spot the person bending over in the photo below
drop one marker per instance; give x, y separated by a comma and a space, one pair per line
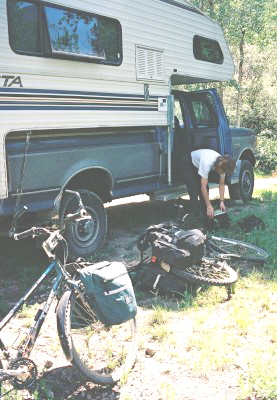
196, 168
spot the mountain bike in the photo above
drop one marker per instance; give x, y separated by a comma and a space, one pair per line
203, 269
102, 354
227, 248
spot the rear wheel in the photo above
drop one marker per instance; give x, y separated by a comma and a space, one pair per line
84, 237
102, 354
243, 190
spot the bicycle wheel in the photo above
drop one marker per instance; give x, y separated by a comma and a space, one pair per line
235, 249
102, 354
210, 271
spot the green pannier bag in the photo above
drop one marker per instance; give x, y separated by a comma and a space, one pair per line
109, 291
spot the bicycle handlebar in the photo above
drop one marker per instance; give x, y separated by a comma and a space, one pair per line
54, 237
34, 231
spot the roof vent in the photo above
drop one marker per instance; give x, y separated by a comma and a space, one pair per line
149, 64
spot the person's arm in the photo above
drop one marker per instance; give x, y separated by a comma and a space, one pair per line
221, 188
205, 194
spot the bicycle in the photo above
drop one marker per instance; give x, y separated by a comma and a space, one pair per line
220, 253
207, 270
102, 354
228, 248
215, 267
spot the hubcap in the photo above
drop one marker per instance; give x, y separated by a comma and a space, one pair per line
246, 182
84, 229
85, 232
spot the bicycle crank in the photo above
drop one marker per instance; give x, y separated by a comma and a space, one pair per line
25, 372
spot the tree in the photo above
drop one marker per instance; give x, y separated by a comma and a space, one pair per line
244, 23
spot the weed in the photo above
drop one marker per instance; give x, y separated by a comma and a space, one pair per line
261, 377
169, 393
157, 325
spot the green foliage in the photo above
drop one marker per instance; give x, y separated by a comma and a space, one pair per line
250, 28
267, 154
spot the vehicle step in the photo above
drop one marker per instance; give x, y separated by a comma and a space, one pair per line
174, 192
169, 193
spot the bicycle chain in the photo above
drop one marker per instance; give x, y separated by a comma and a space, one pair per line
31, 378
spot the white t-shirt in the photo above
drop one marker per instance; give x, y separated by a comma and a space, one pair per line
203, 160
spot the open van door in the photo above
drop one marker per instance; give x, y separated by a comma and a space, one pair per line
205, 122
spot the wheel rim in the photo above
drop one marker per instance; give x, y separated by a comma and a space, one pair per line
85, 232
98, 351
246, 181
245, 250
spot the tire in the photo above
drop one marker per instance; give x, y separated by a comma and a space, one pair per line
211, 272
243, 190
84, 238
244, 251
103, 355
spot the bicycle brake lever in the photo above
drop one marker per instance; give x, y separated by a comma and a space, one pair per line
15, 218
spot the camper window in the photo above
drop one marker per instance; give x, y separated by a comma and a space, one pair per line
207, 50
24, 26
63, 33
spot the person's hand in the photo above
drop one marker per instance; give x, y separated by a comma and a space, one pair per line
210, 211
222, 206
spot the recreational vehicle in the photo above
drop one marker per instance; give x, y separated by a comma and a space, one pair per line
87, 103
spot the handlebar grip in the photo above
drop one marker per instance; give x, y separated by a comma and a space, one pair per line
82, 213
22, 235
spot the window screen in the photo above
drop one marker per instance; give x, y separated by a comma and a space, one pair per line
207, 50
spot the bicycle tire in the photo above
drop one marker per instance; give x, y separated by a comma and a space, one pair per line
216, 245
211, 272
103, 355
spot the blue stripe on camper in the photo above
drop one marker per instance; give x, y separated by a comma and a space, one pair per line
66, 92
37, 99
8, 108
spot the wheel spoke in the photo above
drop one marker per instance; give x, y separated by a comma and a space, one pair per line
101, 353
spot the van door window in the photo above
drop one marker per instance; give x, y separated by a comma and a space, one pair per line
203, 112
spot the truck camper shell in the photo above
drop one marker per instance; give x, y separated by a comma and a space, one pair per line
44, 88
86, 94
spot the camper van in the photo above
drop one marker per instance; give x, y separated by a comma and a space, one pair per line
88, 102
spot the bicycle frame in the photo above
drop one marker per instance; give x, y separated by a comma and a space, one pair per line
28, 343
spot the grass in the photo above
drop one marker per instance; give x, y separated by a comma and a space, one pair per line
239, 335
199, 331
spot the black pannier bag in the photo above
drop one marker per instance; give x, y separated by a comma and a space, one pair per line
168, 253
109, 291
174, 246
150, 276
